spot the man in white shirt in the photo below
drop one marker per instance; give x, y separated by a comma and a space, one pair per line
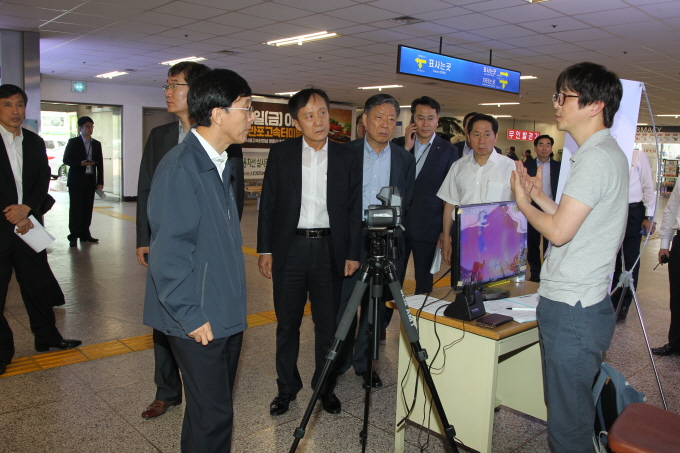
641, 207
309, 239
480, 177
669, 234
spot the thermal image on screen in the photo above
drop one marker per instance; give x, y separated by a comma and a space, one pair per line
493, 242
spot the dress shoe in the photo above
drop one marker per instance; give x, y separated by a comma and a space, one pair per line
535, 279
158, 407
623, 314
280, 404
665, 350
3, 366
331, 403
377, 382
63, 344
73, 242
90, 239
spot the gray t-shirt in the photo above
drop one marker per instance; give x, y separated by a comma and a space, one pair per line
579, 270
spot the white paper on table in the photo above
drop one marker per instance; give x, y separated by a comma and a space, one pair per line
501, 306
433, 305
38, 238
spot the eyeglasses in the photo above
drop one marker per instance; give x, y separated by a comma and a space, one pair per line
173, 86
250, 110
559, 98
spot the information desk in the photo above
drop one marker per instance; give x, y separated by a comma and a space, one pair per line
484, 369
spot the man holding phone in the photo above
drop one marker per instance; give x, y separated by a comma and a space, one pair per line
83, 155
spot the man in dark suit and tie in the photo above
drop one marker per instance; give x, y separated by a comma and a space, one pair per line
83, 155
551, 175
384, 164
161, 140
434, 157
308, 237
24, 182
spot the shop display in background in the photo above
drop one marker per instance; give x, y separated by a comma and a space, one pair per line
669, 176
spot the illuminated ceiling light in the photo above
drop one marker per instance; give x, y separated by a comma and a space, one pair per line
500, 116
527, 77
179, 60
500, 103
286, 93
380, 88
111, 75
405, 106
672, 116
535, 1
642, 124
302, 38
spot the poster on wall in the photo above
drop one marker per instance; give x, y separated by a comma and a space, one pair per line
273, 123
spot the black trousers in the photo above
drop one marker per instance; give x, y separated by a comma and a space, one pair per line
209, 374
674, 278
81, 199
38, 290
423, 254
309, 271
166, 371
534, 250
631, 250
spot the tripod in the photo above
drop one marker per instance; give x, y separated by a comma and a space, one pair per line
376, 268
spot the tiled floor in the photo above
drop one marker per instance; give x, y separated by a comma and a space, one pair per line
95, 405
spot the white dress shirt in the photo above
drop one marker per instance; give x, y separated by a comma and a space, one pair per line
468, 183
547, 188
15, 152
671, 220
218, 159
313, 208
641, 185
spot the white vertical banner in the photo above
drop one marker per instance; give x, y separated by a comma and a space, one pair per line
623, 130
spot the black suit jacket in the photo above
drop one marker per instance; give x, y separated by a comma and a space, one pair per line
35, 179
75, 154
282, 198
423, 221
161, 140
555, 166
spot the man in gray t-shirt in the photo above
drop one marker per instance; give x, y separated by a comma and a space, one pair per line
575, 315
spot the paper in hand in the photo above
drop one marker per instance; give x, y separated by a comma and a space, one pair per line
38, 238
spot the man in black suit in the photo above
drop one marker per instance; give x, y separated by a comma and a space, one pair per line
83, 155
551, 175
161, 140
434, 156
24, 182
383, 164
308, 237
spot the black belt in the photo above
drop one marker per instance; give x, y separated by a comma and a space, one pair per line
313, 232
636, 204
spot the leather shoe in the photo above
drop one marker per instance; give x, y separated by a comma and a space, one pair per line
665, 350
63, 344
158, 407
73, 242
331, 403
3, 366
280, 404
90, 239
377, 382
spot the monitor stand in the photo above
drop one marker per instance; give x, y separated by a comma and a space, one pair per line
495, 293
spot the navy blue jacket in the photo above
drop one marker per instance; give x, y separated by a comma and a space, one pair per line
423, 222
196, 268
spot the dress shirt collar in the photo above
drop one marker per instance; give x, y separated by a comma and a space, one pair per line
212, 154
493, 158
306, 146
368, 151
8, 137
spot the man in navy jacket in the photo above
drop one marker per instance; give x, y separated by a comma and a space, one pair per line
196, 292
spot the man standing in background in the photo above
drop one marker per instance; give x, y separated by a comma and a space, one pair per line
83, 155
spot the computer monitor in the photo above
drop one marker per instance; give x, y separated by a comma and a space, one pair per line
490, 244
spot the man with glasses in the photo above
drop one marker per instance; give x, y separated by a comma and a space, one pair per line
575, 314
161, 140
196, 285
83, 155
423, 221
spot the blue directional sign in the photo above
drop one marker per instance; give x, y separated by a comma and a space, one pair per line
442, 67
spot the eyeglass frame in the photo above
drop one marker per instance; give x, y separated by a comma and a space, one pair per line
557, 96
250, 110
173, 86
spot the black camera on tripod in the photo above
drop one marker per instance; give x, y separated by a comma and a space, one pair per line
386, 216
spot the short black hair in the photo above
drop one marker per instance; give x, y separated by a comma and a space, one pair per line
380, 99
217, 88
526, 151
468, 116
483, 117
8, 90
425, 100
83, 120
593, 82
189, 69
512, 148
552, 141
302, 97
